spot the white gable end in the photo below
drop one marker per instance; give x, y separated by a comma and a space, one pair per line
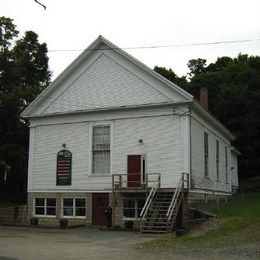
104, 77
105, 84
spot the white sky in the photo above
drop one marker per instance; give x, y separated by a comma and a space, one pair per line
131, 23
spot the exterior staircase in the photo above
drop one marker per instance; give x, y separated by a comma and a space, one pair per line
161, 209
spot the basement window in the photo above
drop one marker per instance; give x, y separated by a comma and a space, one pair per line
132, 207
45, 207
74, 207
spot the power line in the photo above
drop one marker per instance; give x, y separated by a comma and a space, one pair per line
164, 46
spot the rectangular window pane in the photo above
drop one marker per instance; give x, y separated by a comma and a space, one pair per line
39, 202
101, 162
51, 202
206, 143
67, 211
68, 202
39, 210
80, 212
226, 164
129, 203
217, 159
129, 213
51, 211
101, 136
206, 153
81, 203
217, 150
206, 166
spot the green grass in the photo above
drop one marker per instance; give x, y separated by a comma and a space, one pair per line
239, 221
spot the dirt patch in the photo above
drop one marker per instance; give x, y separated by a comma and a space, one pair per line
203, 228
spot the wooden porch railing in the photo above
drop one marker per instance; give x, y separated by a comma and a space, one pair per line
134, 181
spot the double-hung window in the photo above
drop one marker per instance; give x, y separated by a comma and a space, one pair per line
206, 155
132, 207
101, 149
45, 207
226, 164
217, 159
75, 207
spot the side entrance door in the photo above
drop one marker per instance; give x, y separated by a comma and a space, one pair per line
133, 170
100, 202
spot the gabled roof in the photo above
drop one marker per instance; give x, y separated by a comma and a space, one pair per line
97, 45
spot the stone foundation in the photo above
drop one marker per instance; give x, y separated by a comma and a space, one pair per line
16, 215
196, 200
54, 221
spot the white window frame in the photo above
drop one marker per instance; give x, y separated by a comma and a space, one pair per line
102, 123
136, 208
45, 208
74, 208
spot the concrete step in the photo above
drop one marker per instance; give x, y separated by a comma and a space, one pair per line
154, 223
161, 202
160, 207
154, 227
154, 231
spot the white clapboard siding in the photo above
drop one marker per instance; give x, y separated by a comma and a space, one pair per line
161, 143
197, 145
105, 84
234, 169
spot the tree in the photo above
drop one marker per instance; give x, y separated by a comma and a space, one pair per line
170, 75
196, 66
24, 74
234, 98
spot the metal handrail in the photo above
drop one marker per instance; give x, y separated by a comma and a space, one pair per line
150, 198
174, 199
179, 188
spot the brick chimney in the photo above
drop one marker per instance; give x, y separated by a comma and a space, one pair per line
204, 97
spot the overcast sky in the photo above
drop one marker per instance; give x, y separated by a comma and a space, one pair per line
132, 23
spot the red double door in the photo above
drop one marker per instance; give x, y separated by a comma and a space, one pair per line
134, 170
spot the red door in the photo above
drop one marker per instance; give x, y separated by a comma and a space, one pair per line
100, 202
133, 170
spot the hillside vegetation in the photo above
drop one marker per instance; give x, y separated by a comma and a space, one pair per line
236, 231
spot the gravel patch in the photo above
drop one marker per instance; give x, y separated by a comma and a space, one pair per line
89, 243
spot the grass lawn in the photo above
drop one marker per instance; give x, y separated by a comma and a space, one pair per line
239, 223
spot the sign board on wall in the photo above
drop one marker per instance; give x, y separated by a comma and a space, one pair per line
64, 163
